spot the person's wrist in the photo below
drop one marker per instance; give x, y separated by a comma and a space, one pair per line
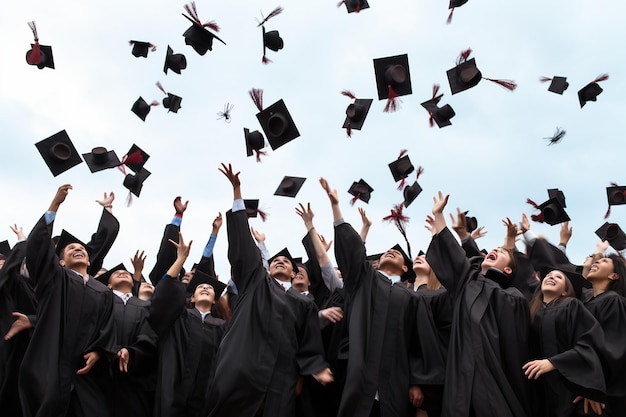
178, 214
108, 206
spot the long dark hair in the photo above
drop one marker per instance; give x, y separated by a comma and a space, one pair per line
619, 267
536, 303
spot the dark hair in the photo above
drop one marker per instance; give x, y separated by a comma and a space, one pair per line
512, 264
619, 267
536, 302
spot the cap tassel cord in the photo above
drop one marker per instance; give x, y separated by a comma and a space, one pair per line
262, 214
449, 19
508, 84
544, 79
602, 77
259, 153
35, 56
257, 97
464, 55
348, 93
349, 130
355, 198
193, 12
420, 171
158, 84
392, 101
400, 221
278, 10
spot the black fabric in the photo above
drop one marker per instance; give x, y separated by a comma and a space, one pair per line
186, 349
166, 254
488, 340
382, 333
73, 319
272, 337
567, 335
102, 240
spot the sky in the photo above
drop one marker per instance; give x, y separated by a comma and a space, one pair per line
492, 158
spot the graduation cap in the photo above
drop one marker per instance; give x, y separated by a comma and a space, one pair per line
578, 281
558, 84
100, 158
612, 233
254, 143
558, 194
59, 152
141, 48
285, 252
401, 168
172, 101
355, 112
615, 196
66, 238
198, 36
393, 79
466, 75
275, 121
134, 182
39, 55
471, 223
141, 108
5, 248
552, 212
410, 193
135, 158
174, 62
409, 275
354, 6
439, 115
105, 277
591, 91
200, 277
271, 39
252, 209
361, 190
289, 186
452, 5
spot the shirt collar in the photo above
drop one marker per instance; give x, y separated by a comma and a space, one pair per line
123, 296
393, 278
285, 285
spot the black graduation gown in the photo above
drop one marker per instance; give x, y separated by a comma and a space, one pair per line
273, 336
567, 335
16, 294
166, 254
187, 348
434, 321
382, 333
489, 337
73, 319
609, 308
102, 240
133, 391
317, 288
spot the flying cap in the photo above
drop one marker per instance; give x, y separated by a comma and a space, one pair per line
612, 233
289, 186
135, 158
558, 194
140, 49
39, 55
252, 209
277, 124
134, 182
174, 62
439, 115
401, 167
59, 153
255, 142
467, 75
172, 101
591, 91
557, 85
354, 6
355, 112
361, 190
200, 277
552, 212
410, 193
393, 79
99, 159
198, 36
141, 108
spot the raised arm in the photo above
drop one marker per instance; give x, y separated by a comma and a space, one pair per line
207, 262
102, 241
366, 223
167, 253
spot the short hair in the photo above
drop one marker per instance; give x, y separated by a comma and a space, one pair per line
512, 263
619, 267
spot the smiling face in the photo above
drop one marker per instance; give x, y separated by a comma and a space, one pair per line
300, 281
281, 268
420, 266
392, 262
145, 291
204, 296
555, 285
75, 257
121, 280
500, 259
601, 270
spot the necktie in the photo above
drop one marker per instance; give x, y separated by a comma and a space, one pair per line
85, 279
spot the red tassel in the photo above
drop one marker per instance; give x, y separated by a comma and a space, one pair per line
134, 158
274, 12
608, 212
449, 19
392, 101
431, 121
357, 9
508, 84
152, 47
402, 182
354, 199
614, 184
193, 12
464, 55
160, 86
257, 97
544, 79
262, 214
420, 171
154, 103
259, 153
532, 203
348, 93
266, 60
349, 130
129, 199
211, 25
601, 78
402, 153
435, 90
35, 56
537, 218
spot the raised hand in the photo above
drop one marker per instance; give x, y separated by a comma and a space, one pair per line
332, 194
258, 236
217, 223
565, 234
138, 262
479, 232
230, 174
439, 202
306, 214
19, 232
182, 249
59, 197
179, 206
107, 200
459, 224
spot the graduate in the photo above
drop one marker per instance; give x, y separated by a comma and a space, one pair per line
381, 325
133, 371
65, 367
564, 339
188, 338
489, 337
273, 335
